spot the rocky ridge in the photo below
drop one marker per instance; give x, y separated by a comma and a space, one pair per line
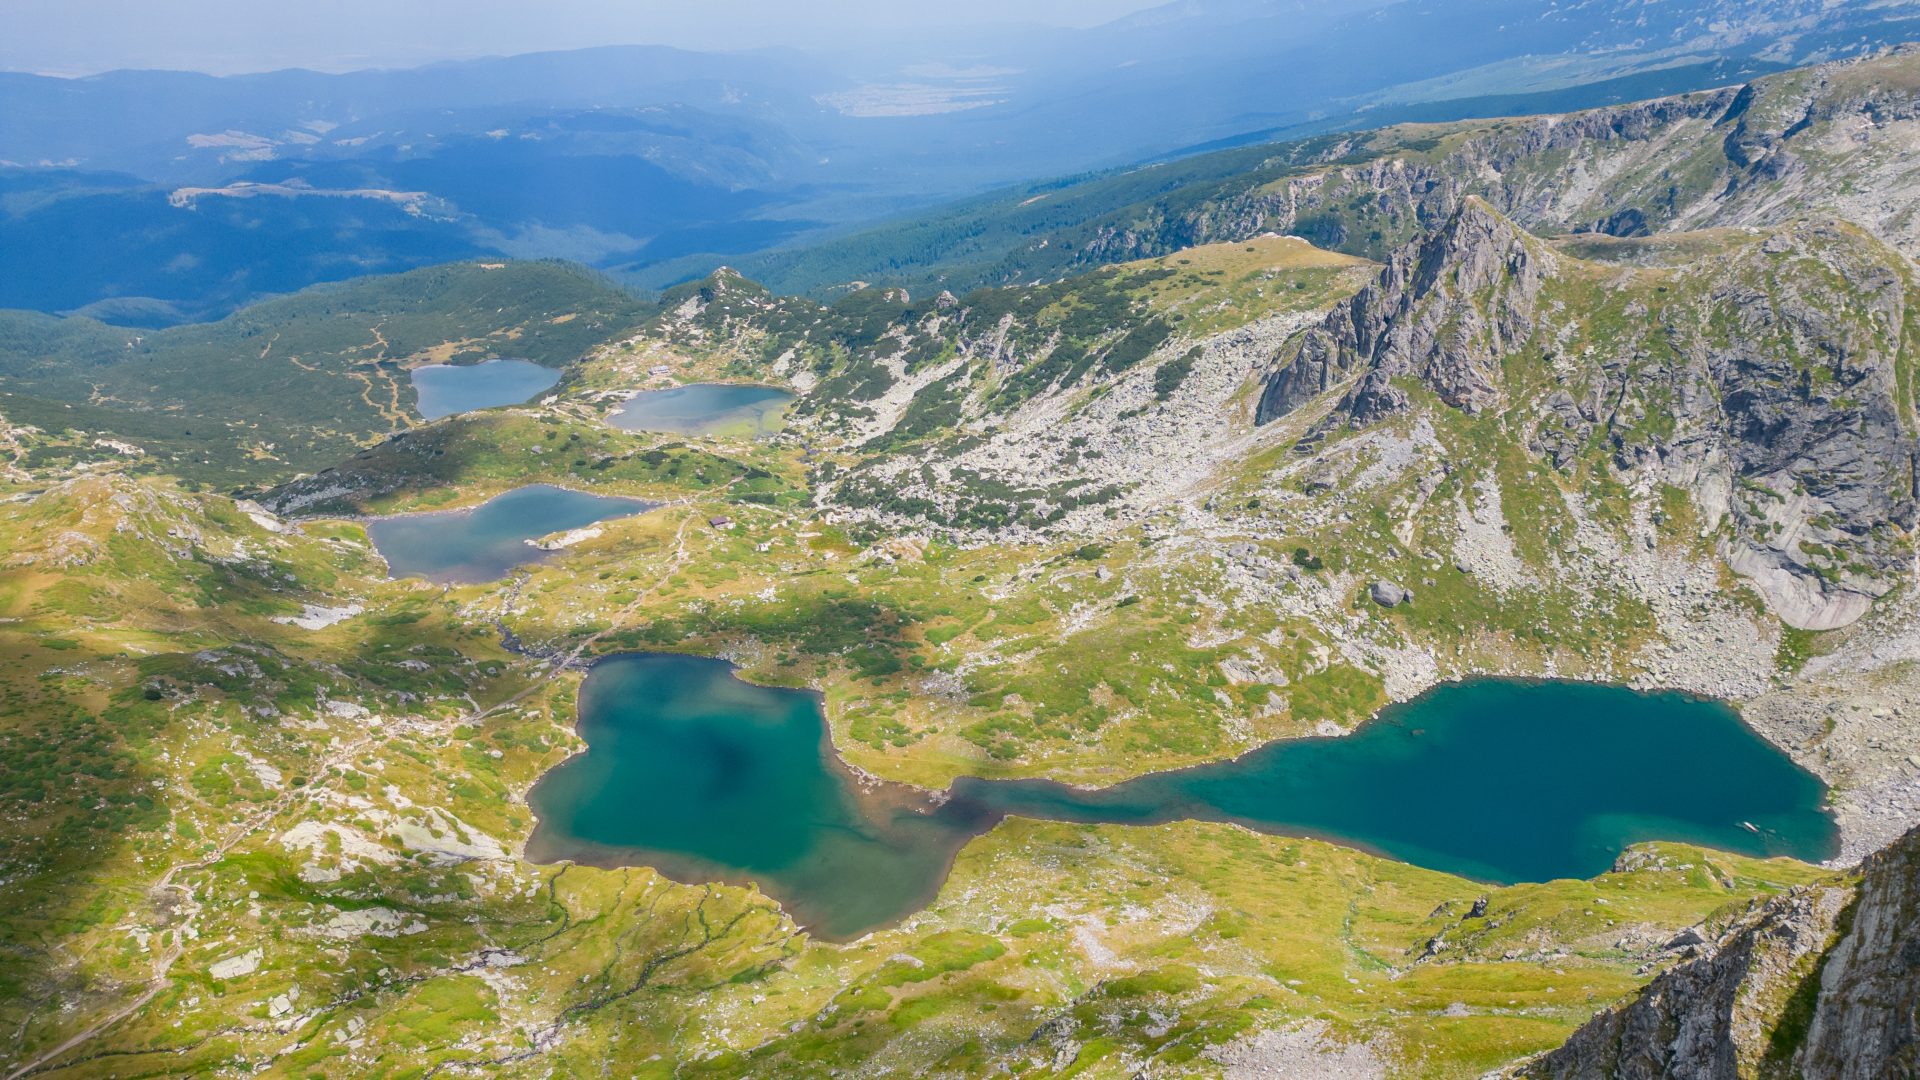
1772, 381
1842, 138
1820, 984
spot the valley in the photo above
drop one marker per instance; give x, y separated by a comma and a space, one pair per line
335, 363
1284, 488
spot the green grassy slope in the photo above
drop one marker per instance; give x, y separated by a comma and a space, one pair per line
313, 890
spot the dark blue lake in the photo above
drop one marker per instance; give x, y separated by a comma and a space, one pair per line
708, 778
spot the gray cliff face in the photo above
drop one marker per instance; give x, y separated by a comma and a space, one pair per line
1424, 318
1866, 1022
1810, 419
1763, 376
1822, 983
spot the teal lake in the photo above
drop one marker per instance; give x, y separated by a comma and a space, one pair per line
486, 541
707, 778
451, 389
704, 409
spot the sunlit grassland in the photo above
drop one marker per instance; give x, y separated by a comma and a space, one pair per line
377, 893
152, 707
149, 703
1216, 287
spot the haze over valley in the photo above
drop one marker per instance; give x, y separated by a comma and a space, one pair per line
149, 198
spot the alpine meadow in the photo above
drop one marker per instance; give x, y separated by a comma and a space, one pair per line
1358, 539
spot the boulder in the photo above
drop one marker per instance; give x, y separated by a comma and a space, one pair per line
1389, 594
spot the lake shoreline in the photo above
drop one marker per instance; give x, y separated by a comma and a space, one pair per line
443, 390
705, 409
497, 540
906, 837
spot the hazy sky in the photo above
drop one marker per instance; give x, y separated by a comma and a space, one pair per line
225, 36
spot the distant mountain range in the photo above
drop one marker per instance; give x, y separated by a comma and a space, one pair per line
152, 198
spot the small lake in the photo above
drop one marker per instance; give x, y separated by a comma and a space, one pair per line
707, 778
450, 389
484, 542
705, 409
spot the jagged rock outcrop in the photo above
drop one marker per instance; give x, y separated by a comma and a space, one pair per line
1866, 1020
1444, 310
1822, 983
1763, 376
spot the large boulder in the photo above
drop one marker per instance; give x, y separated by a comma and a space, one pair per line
1389, 594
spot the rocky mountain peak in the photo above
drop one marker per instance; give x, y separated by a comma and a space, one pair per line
1444, 310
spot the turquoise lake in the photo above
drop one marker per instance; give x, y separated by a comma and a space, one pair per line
704, 409
486, 541
708, 778
451, 389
